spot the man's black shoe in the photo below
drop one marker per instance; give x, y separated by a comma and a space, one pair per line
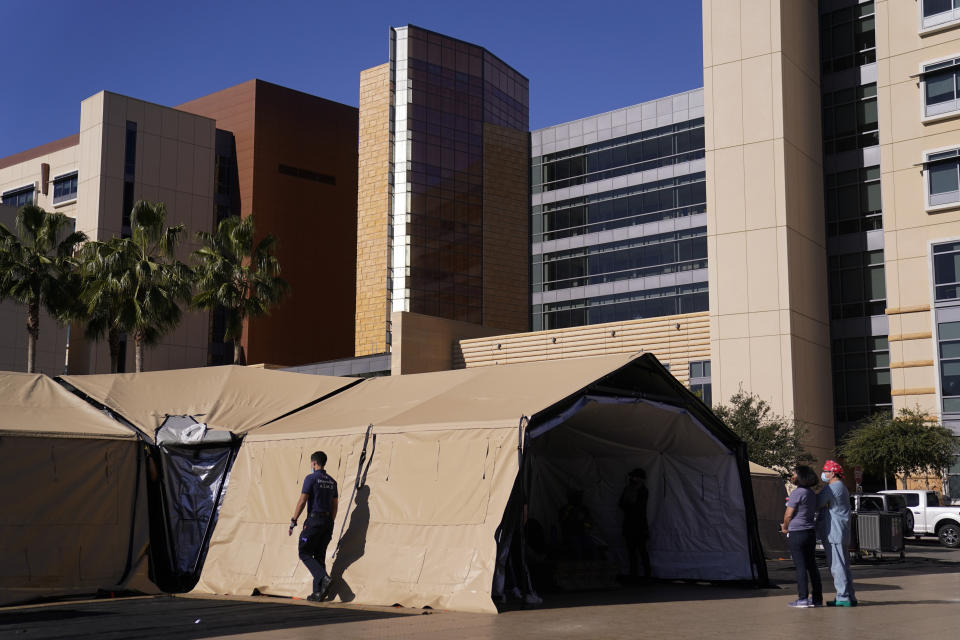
325, 587
315, 597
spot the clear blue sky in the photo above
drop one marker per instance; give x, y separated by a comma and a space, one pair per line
582, 57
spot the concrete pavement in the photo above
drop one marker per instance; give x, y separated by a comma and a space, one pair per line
918, 598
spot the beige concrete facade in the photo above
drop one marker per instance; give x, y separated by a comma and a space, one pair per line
373, 209
674, 340
174, 165
424, 343
769, 327
910, 227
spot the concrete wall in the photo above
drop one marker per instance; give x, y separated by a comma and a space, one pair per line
424, 343
769, 321
373, 206
674, 340
174, 165
909, 229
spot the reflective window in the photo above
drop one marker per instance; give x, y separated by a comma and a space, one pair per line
943, 178
65, 187
857, 284
946, 271
650, 149
18, 197
642, 204
948, 337
850, 119
861, 376
941, 87
627, 306
672, 252
938, 12
700, 380
853, 201
847, 38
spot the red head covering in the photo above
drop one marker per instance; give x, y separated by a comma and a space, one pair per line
832, 467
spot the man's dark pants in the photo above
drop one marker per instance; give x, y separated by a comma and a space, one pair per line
317, 529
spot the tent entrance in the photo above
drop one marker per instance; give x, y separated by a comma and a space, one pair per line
194, 465
575, 472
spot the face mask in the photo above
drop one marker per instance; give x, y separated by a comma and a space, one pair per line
823, 476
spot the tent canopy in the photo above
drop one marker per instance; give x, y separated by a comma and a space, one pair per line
465, 398
32, 403
423, 497
229, 397
74, 517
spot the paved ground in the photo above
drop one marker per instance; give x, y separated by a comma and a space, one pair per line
917, 598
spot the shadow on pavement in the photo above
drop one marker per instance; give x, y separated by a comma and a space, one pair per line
169, 617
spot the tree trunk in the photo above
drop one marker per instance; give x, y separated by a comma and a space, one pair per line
113, 340
33, 332
238, 357
138, 351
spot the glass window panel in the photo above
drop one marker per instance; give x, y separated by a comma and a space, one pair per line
951, 405
871, 197
876, 284
933, 7
939, 87
943, 178
946, 268
868, 114
949, 330
950, 349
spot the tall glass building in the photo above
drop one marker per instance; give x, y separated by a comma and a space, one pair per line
853, 205
618, 215
444, 130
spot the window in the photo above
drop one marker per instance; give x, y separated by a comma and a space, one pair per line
946, 271
65, 188
850, 119
938, 12
847, 38
861, 376
853, 201
857, 284
700, 381
913, 500
942, 170
948, 338
932, 499
941, 87
18, 197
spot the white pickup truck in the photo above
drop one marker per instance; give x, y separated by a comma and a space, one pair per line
930, 517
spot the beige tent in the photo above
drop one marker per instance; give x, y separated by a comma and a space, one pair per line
423, 495
228, 397
770, 495
196, 417
73, 515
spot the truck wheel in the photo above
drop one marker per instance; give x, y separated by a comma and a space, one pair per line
949, 535
907, 523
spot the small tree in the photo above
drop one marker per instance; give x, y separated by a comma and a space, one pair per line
237, 275
136, 282
908, 444
772, 440
36, 268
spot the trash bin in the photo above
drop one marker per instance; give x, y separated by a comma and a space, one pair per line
879, 532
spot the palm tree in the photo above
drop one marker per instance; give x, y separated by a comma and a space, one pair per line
135, 285
36, 267
237, 276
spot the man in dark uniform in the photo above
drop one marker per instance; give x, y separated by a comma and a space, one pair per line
633, 502
320, 492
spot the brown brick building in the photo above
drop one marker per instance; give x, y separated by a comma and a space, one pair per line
290, 158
